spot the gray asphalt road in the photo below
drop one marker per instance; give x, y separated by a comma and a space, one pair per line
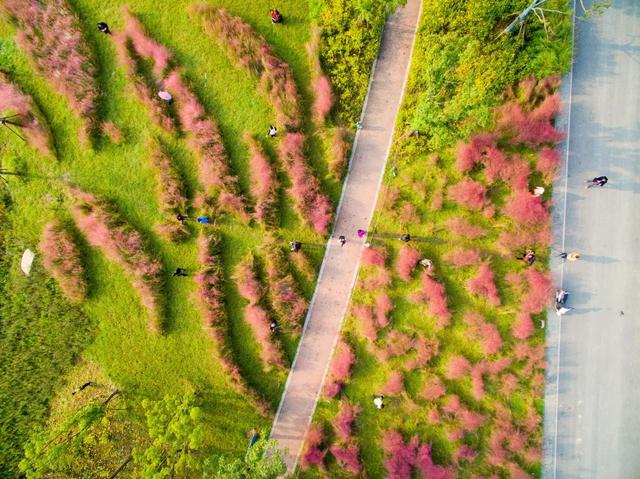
595, 430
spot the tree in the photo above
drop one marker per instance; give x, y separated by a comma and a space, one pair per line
176, 430
263, 461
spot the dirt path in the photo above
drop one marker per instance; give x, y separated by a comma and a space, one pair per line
340, 264
592, 428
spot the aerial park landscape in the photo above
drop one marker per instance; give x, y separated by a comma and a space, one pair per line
311, 239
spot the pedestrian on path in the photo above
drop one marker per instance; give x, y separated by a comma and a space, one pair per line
573, 256
562, 310
361, 233
295, 246
273, 131
405, 238
597, 181
378, 401
180, 272
342, 240
561, 296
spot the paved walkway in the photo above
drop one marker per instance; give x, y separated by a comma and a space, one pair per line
340, 264
592, 425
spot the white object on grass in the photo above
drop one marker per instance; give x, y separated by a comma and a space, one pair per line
27, 261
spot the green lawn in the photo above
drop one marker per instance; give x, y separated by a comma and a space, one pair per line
110, 328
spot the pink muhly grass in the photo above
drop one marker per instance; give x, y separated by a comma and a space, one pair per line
246, 280
348, 457
477, 383
461, 227
436, 201
313, 455
206, 142
62, 260
284, 294
548, 163
517, 238
264, 185
523, 326
374, 256
258, 319
111, 131
401, 457
104, 229
323, 98
398, 343
469, 193
427, 468
313, 206
483, 284
145, 46
433, 388
169, 190
468, 154
460, 257
253, 53
377, 280
408, 258
52, 35
527, 209
368, 326
465, 452
383, 307
211, 298
340, 369
394, 385
343, 422
530, 128
340, 146
539, 293
470, 420
13, 101
436, 298
452, 406
425, 348
457, 367
486, 333
303, 265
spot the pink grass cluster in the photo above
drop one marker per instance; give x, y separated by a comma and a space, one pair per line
374, 256
313, 206
211, 297
523, 326
516, 239
548, 163
433, 388
303, 265
284, 294
112, 131
340, 369
376, 280
436, 298
461, 227
348, 457
339, 153
401, 456
469, 193
406, 262
134, 45
427, 468
344, 421
104, 229
527, 209
484, 285
264, 184
169, 189
461, 257
14, 101
425, 348
323, 98
398, 343
205, 140
383, 308
468, 154
457, 367
368, 326
530, 128
62, 260
394, 384
252, 52
51, 34
255, 315
539, 291
484, 332
313, 454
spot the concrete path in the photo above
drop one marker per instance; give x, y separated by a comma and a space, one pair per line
592, 426
340, 264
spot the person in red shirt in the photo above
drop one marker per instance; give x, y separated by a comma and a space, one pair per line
276, 16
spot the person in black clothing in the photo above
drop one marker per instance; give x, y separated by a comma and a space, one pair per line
597, 181
342, 240
295, 246
406, 238
104, 28
181, 218
273, 326
180, 272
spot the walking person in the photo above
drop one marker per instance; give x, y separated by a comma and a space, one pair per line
405, 238
273, 131
342, 240
573, 256
181, 218
361, 233
597, 181
273, 326
528, 257
378, 402
203, 220
180, 272
295, 246
104, 28
276, 16
165, 96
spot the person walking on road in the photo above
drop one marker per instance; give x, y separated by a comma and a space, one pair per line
342, 240
361, 233
597, 181
573, 256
